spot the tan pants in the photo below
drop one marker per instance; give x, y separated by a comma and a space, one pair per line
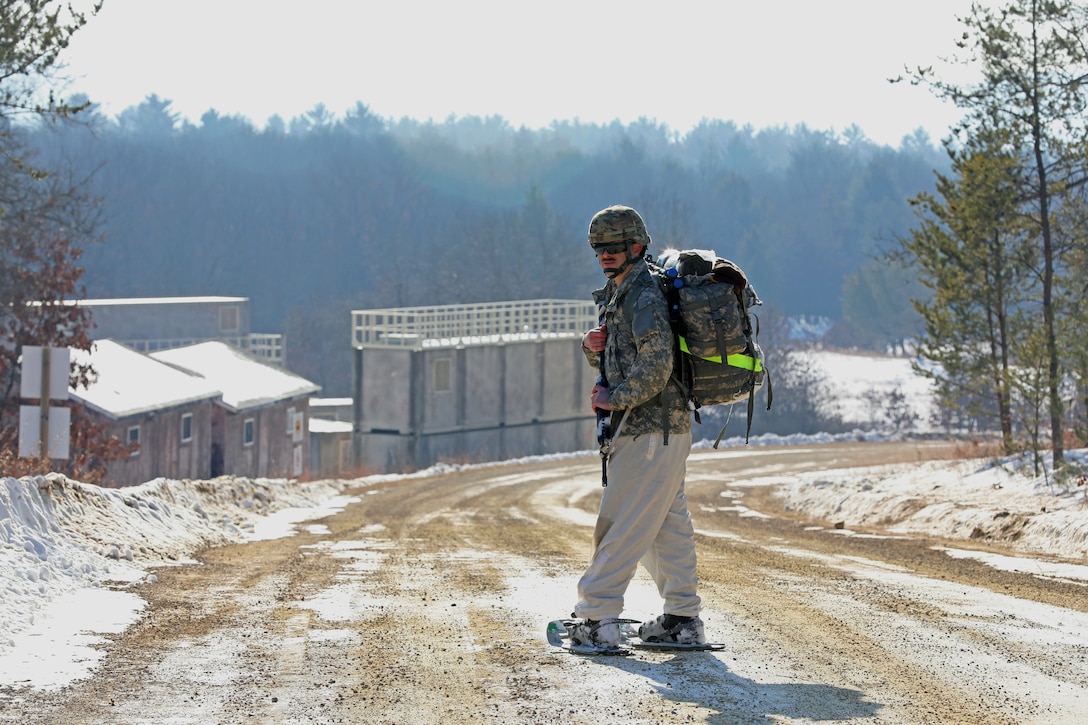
643, 517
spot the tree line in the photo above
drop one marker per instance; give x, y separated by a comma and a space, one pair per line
317, 215
320, 215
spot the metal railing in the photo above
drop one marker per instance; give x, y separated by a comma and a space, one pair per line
267, 347
264, 347
471, 324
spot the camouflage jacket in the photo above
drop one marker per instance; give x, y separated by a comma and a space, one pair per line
638, 356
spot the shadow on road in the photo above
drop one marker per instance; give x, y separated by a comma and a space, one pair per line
703, 680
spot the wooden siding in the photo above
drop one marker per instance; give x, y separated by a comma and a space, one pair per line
162, 453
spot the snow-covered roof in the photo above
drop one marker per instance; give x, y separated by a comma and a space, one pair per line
131, 383
320, 425
157, 300
330, 402
246, 383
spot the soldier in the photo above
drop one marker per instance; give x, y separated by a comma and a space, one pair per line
644, 514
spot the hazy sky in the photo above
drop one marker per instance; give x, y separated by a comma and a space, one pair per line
824, 63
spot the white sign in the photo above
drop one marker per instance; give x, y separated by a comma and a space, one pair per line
299, 427
30, 419
31, 372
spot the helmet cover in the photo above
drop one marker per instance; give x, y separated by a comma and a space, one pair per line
618, 224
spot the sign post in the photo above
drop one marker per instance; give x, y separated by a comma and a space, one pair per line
43, 421
44, 429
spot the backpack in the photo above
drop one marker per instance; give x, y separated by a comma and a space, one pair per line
717, 360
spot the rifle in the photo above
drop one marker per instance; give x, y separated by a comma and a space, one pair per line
604, 417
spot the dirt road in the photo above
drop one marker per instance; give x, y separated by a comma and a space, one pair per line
425, 602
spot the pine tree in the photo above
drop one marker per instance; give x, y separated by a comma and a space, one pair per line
970, 250
1033, 62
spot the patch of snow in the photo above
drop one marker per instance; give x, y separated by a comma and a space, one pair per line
62, 543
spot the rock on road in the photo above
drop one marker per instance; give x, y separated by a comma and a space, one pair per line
425, 601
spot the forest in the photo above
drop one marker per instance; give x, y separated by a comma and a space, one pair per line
969, 251
318, 215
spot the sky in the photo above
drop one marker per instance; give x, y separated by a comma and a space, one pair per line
61, 541
783, 62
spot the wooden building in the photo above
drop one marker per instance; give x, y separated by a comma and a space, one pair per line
168, 412
331, 454
259, 426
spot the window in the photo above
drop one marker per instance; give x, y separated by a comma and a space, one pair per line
228, 319
134, 437
186, 427
248, 428
442, 382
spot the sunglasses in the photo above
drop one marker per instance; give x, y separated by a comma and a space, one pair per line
600, 249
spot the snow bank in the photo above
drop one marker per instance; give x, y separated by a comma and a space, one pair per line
59, 535
62, 541
980, 499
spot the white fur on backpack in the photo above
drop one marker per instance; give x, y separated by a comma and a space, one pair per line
675, 259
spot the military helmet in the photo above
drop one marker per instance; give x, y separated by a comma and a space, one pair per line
618, 224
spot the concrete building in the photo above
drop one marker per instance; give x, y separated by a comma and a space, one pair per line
166, 411
470, 383
259, 427
148, 324
331, 453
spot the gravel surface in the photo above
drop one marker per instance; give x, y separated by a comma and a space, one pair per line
426, 600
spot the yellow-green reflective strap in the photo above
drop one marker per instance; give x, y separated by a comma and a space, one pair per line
747, 362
